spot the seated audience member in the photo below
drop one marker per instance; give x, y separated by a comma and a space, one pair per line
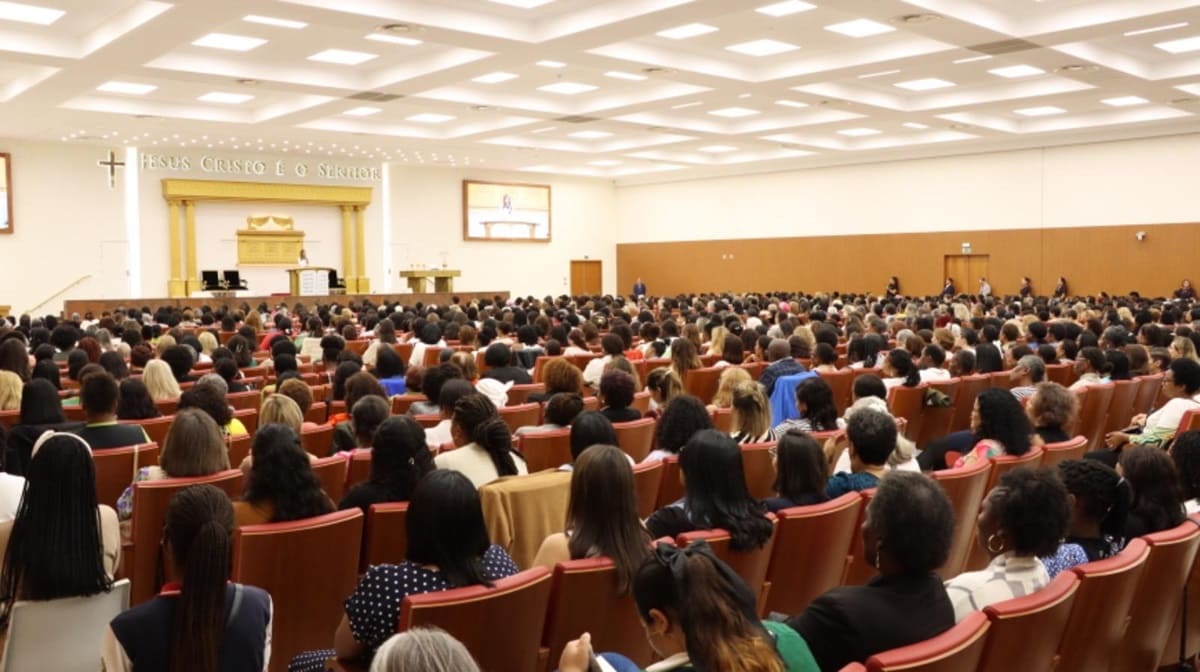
682, 418
10, 391
424, 648
825, 357
61, 543
358, 387
209, 399
612, 346
663, 386
281, 409
14, 358
685, 357
1000, 427
1185, 452
779, 354
448, 547
590, 428
385, 337
41, 410
281, 485
616, 394
1139, 360
134, 402
430, 336
341, 375
715, 495
751, 414
818, 411
1091, 367
625, 366
498, 357
298, 391
390, 370
98, 396
800, 472
559, 376
47, 370
194, 447
159, 380
906, 535
899, 370
1157, 500
1025, 376
115, 365
962, 364
484, 446
228, 370
76, 360
1180, 384
988, 358
431, 386
1053, 410
932, 359
1100, 504
366, 417
399, 459
871, 437
450, 393
1160, 361
201, 618
1021, 519
12, 486
700, 615
602, 519
1118, 365
1182, 347
560, 412
179, 358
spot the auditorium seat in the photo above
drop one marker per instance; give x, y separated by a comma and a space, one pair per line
1071, 449
239, 448
1093, 410
1098, 618
546, 450
702, 383
907, 403
74, 413
150, 499
10, 419
385, 535
1120, 407
428, 420
538, 364
358, 346
812, 544
959, 649
755, 369
1159, 594
1026, 631
635, 437
758, 467
1189, 422
722, 419
501, 626
405, 351
521, 511
331, 472
249, 419
751, 565
647, 479
1063, 374
358, 467
62, 635
965, 489
936, 420
1001, 379
309, 567
1147, 393
671, 487
243, 400
524, 415
581, 361
1191, 645
402, 402
519, 394
318, 413
317, 441
641, 401
969, 388
116, 468
584, 598
156, 429
858, 571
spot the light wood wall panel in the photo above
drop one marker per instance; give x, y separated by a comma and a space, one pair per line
1093, 259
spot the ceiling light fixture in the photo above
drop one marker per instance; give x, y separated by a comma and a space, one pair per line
229, 42
687, 30
927, 84
544, 129
791, 103
882, 73
655, 70
590, 135
919, 18
430, 118
128, 88
718, 149
762, 47
1182, 46
552, 64
914, 125
1077, 67
342, 57
362, 111
494, 78
247, 82
681, 106
733, 112
785, 8
1156, 29
272, 21
972, 59
1124, 101
1193, 89
860, 28
617, 74
1043, 111
42, 16
394, 39
859, 132
1015, 71
523, 4
225, 98
567, 88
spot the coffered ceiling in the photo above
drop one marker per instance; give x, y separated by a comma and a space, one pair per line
632, 90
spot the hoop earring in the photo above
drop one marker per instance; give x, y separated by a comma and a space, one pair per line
992, 538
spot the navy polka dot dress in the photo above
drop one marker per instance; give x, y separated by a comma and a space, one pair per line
374, 609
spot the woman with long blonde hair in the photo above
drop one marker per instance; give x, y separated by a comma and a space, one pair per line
716, 346
751, 414
159, 380
10, 391
730, 377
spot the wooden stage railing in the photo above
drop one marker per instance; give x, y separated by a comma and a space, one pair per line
99, 306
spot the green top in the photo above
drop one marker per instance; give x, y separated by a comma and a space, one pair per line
791, 646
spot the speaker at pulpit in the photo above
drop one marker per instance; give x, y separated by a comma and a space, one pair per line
312, 281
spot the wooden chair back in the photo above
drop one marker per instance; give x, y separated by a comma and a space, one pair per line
401, 403
635, 437
243, 400
969, 387
239, 448
524, 415
936, 420
647, 479
955, 650
546, 450
358, 467
907, 403
1093, 411
842, 383
1098, 618
167, 406
1063, 374
1120, 408
702, 383
722, 419
519, 394
670, 488
331, 472
116, 468
249, 419
965, 489
1147, 393
610, 617
641, 401
858, 572
758, 466
1026, 631
318, 413
385, 537
317, 441
156, 430
1071, 449
751, 565
812, 544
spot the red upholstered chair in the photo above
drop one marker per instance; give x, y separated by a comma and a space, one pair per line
858, 571
907, 403
581, 361
433, 357
1190, 421
385, 535
1159, 595
116, 468
358, 469
1071, 449
402, 402
636, 437
1147, 393
671, 487
428, 420
405, 351
965, 488
1093, 411
519, 394
591, 404
1097, 622
317, 441
309, 567
10, 419
647, 479
641, 401
611, 619
239, 448
1191, 644
241, 400
936, 420
1120, 408
1026, 631
842, 383
317, 413
751, 565
968, 389
524, 415
74, 413
150, 500
959, 649
702, 383
1001, 379
722, 419
501, 626
249, 419
537, 367
546, 450
358, 346
331, 472
812, 544
165, 406
1063, 374
156, 429
759, 468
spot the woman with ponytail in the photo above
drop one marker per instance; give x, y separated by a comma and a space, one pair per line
700, 615
485, 451
199, 622
899, 369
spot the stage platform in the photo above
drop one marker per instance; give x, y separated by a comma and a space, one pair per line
99, 306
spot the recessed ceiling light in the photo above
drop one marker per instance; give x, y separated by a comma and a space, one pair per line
881, 73
272, 21
1125, 101
791, 103
430, 118
42, 16
362, 111
785, 8
1182, 46
927, 84
523, 4
393, 39
1193, 89
914, 125
544, 129
1156, 29
718, 149
567, 88
681, 106
972, 59
1015, 71
733, 112
342, 57
604, 163
859, 132
590, 135
617, 74
229, 42
552, 64
762, 47
225, 98
860, 28
687, 30
127, 88
494, 77
1043, 111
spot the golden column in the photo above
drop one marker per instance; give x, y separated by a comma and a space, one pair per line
360, 228
175, 285
348, 273
189, 223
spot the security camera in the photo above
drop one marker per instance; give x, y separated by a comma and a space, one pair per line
1141, 235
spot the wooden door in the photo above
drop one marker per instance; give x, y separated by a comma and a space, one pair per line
585, 277
978, 268
967, 269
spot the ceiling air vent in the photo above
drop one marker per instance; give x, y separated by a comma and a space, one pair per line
1005, 47
577, 119
374, 97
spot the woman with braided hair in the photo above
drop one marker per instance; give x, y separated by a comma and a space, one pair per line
1100, 501
485, 451
1185, 451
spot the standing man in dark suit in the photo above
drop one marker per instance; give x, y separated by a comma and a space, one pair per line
948, 290
639, 288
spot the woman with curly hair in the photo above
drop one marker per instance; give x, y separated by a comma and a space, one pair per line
1053, 410
1000, 426
682, 418
818, 411
1102, 500
1157, 499
281, 485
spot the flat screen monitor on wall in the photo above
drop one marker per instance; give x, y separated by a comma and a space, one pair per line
507, 211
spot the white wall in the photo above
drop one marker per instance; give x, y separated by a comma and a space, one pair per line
1131, 182
426, 215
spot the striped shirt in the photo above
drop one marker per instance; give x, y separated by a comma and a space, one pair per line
1007, 576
